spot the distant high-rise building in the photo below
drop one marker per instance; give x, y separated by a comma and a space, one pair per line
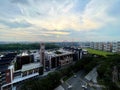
114, 47
96, 45
108, 46
118, 46
92, 45
100, 45
42, 54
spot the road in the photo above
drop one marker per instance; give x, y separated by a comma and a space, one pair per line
76, 82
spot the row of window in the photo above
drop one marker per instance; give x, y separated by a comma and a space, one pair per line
65, 62
2, 78
30, 72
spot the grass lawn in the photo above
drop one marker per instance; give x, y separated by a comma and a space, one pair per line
98, 52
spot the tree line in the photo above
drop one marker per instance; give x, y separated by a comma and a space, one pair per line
106, 69
21, 46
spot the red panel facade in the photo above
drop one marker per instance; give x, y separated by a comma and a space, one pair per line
8, 76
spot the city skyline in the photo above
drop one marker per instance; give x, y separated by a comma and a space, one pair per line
59, 20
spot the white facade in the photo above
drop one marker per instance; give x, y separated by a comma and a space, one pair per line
114, 47
100, 46
36, 56
118, 46
108, 47
92, 45
96, 45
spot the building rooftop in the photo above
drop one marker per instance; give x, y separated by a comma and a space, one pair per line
5, 61
1, 56
23, 54
30, 66
3, 68
59, 52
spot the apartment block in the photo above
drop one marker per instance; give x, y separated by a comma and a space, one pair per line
100, 45
57, 58
118, 46
92, 45
96, 45
107, 46
114, 47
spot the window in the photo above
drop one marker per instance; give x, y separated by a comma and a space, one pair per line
36, 70
30, 71
24, 73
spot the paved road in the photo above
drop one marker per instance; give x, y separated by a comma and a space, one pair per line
76, 82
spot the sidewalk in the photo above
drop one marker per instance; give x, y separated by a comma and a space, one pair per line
92, 75
96, 85
59, 88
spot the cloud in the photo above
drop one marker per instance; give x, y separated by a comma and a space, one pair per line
59, 16
15, 24
30, 34
23, 2
54, 19
98, 11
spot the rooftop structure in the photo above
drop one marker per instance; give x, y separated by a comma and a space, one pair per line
58, 58
30, 66
27, 71
59, 52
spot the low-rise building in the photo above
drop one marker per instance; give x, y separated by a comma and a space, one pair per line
22, 59
58, 58
24, 66
17, 68
12, 77
77, 52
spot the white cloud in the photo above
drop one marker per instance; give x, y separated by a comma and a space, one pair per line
46, 16
55, 15
97, 11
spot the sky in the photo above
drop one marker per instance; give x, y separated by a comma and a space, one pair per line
59, 20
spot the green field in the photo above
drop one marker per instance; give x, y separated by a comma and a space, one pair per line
98, 52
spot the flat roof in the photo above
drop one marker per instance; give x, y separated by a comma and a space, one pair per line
21, 79
30, 66
3, 68
4, 64
62, 52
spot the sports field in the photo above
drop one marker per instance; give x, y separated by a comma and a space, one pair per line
98, 52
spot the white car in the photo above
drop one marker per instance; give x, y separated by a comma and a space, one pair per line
75, 76
70, 86
84, 86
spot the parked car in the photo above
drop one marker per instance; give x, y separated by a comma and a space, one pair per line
84, 86
75, 75
70, 86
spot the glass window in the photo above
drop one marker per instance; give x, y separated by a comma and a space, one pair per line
24, 73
